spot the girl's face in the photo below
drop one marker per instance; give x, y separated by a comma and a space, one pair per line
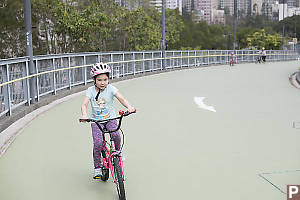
102, 81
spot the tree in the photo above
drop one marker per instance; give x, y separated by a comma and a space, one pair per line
142, 31
262, 39
174, 26
12, 35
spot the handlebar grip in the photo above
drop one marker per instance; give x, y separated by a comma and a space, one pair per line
84, 120
126, 113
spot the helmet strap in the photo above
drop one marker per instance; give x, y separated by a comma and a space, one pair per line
96, 98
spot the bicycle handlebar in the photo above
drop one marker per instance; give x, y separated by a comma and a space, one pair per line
122, 114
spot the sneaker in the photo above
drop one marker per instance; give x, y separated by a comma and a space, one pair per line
97, 173
122, 156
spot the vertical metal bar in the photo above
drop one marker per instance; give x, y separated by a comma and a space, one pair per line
123, 68
112, 66
53, 76
152, 61
181, 59
133, 63
143, 63
161, 61
84, 71
29, 51
37, 81
242, 56
27, 84
173, 59
195, 61
208, 57
188, 58
163, 37
7, 97
69, 66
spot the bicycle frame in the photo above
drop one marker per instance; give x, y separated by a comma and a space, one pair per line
109, 154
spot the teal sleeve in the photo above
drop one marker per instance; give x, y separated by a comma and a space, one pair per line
88, 93
114, 90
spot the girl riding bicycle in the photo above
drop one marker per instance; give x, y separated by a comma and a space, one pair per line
101, 96
232, 56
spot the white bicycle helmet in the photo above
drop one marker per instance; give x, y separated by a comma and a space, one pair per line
99, 68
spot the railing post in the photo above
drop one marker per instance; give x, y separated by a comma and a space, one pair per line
188, 57
84, 70
151, 68
123, 68
143, 63
69, 74
26, 86
181, 61
173, 59
195, 60
53, 76
7, 98
112, 66
242, 56
161, 61
37, 81
133, 56
208, 54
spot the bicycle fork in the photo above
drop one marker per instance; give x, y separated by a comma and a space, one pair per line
115, 154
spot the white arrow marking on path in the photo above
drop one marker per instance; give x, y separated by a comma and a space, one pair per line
201, 104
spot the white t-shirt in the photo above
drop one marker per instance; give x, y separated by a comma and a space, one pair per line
103, 108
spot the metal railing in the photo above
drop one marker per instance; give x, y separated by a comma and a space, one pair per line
57, 72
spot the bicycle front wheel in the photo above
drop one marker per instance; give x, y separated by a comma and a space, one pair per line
105, 172
119, 178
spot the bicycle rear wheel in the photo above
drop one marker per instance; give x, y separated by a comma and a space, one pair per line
119, 178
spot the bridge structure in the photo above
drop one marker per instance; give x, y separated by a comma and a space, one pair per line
175, 148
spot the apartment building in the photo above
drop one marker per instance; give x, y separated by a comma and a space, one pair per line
202, 10
169, 4
174, 4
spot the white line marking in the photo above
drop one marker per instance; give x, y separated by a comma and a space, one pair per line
201, 104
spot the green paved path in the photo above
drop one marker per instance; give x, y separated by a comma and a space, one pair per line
174, 150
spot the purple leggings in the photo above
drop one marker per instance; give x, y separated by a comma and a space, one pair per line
98, 140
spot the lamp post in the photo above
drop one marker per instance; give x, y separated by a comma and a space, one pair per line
283, 25
29, 51
234, 22
163, 35
295, 34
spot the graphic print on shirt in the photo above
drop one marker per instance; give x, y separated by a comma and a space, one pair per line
101, 111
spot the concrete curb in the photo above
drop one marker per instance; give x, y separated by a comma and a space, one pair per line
294, 81
298, 77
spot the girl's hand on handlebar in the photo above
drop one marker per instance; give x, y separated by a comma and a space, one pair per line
82, 117
128, 112
131, 109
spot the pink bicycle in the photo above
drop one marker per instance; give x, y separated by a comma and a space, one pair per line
231, 61
111, 158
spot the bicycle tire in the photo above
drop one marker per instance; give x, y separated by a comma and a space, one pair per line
105, 172
119, 178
